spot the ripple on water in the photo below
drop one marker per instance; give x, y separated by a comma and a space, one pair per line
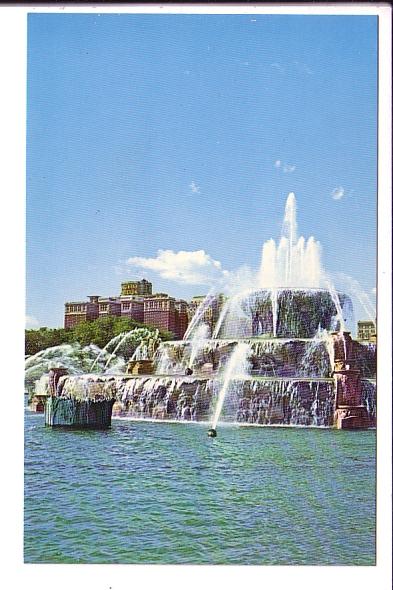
145, 492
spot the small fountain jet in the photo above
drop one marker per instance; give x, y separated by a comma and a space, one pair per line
238, 365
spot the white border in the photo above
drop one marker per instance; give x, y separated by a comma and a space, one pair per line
12, 152
200, 8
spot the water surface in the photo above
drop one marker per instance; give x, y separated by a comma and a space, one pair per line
157, 493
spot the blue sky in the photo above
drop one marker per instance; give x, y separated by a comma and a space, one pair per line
186, 133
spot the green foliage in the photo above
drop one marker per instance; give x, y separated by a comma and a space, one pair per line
98, 332
165, 335
36, 340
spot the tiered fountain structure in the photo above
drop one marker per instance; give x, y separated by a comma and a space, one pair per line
278, 354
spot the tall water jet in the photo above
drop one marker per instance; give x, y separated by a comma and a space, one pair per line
199, 315
274, 300
293, 263
221, 318
237, 366
324, 336
289, 231
337, 303
198, 341
267, 271
289, 224
311, 269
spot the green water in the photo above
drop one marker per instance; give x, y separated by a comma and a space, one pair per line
167, 494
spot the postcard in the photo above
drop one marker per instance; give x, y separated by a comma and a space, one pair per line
205, 306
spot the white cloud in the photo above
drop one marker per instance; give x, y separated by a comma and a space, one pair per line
194, 188
303, 68
195, 268
31, 322
284, 167
338, 193
374, 291
192, 268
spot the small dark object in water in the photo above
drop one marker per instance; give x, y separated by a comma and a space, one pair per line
212, 432
189, 371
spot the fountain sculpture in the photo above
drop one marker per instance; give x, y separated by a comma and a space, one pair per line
277, 354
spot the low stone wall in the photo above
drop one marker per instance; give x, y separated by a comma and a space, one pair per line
263, 401
71, 413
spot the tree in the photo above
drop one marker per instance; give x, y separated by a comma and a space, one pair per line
36, 340
98, 332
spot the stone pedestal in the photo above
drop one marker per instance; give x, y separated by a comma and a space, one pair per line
348, 387
72, 413
351, 418
349, 411
342, 345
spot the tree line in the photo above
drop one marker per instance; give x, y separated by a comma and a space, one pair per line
98, 332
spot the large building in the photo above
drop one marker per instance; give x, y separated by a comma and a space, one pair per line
81, 311
136, 301
166, 313
142, 288
367, 330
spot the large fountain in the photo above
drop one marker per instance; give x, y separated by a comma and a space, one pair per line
277, 353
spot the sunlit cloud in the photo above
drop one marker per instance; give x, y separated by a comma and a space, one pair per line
194, 188
192, 268
195, 268
284, 167
338, 193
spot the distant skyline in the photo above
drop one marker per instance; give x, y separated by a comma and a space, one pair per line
164, 147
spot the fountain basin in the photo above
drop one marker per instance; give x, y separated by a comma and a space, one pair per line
249, 400
282, 313
269, 357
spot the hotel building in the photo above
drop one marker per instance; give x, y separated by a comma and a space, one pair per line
136, 301
367, 331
